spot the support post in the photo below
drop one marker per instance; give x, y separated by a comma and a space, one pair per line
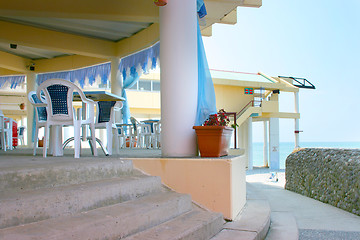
116, 83
116, 88
297, 130
179, 78
250, 144
266, 144
274, 143
30, 86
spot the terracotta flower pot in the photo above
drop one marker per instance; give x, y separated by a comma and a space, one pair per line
41, 142
22, 106
213, 141
160, 2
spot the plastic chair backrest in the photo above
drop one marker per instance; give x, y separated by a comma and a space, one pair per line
104, 111
135, 123
21, 131
40, 111
2, 123
59, 96
59, 99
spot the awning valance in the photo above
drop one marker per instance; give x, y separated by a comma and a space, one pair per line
82, 75
14, 81
140, 62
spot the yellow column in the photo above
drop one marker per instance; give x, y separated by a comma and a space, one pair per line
30, 86
116, 83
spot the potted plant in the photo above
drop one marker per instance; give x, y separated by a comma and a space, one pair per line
214, 135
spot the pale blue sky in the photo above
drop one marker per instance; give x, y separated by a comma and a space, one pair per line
318, 40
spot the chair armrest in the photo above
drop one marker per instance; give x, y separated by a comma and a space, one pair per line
39, 104
118, 106
88, 100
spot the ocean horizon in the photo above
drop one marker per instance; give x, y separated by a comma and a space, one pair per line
286, 149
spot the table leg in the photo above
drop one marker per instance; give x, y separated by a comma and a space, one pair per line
56, 141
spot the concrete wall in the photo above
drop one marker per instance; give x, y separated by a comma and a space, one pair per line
218, 184
328, 175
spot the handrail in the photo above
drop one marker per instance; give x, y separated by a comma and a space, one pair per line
245, 108
252, 103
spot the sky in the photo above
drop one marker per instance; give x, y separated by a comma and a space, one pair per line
317, 40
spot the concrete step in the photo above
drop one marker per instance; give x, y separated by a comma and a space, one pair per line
45, 174
251, 224
283, 227
111, 222
195, 225
36, 205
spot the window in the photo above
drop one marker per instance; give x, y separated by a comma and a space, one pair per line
156, 86
146, 85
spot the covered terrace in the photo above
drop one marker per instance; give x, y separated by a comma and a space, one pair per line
40, 37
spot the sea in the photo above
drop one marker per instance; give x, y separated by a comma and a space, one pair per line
287, 147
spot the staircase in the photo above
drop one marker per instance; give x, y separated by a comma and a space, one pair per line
247, 113
94, 198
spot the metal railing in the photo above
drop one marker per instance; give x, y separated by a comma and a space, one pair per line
252, 103
300, 82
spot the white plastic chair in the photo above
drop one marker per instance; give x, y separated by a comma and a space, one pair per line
9, 132
142, 132
126, 135
60, 112
5, 133
105, 119
41, 115
20, 137
156, 135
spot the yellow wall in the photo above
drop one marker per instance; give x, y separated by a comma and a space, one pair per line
231, 98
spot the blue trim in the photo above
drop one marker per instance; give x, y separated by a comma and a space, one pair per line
80, 75
132, 67
14, 81
201, 9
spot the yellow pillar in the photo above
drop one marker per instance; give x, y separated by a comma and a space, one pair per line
30, 86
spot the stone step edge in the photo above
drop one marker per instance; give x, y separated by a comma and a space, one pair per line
60, 174
283, 227
197, 224
252, 223
40, 204
116, 221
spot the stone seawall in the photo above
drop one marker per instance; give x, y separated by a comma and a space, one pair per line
328, 175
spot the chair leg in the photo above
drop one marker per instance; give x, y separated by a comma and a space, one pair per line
46, 139
77, 138
35, 140
116, 140
92, 131
3, 143
109, 136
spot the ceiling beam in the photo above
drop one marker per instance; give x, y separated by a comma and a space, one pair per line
116, 10
12, 62
4, 72
55, 41
139, 41
66, 63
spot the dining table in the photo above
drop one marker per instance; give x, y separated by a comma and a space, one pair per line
57, 146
